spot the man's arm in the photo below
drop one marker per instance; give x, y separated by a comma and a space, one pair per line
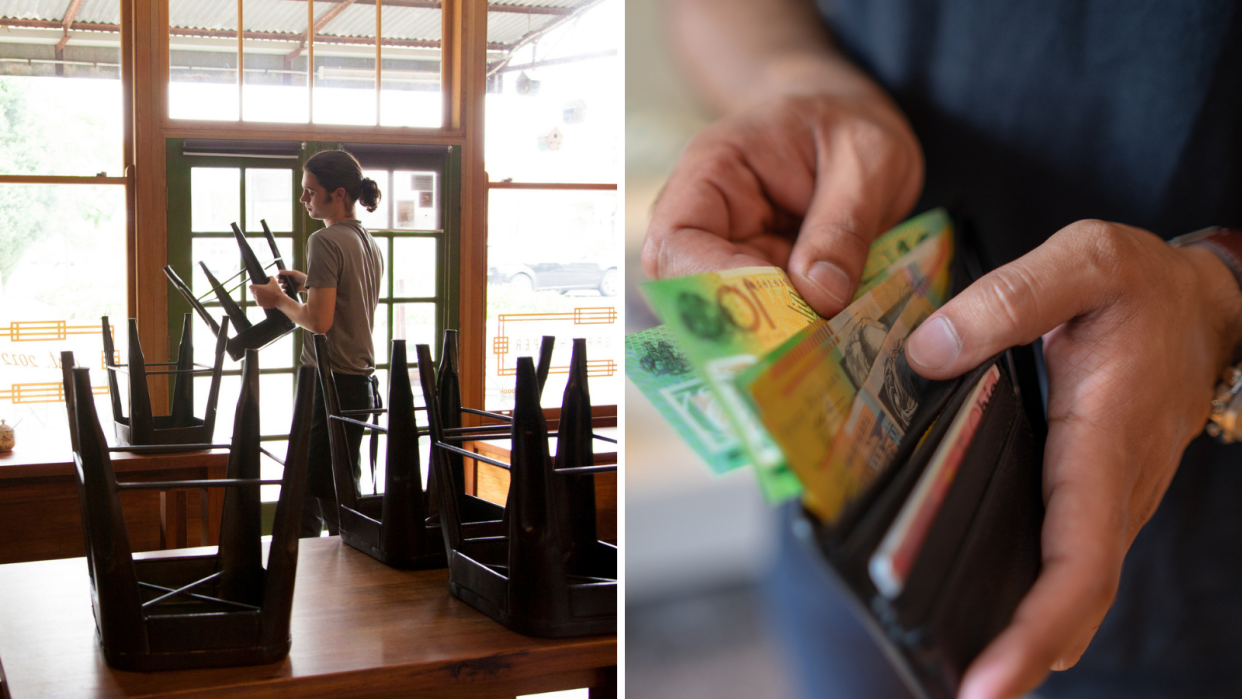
744, 53
811, 164
316, 315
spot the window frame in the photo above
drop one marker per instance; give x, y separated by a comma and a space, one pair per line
445, 161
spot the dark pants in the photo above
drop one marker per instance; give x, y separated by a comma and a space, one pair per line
830, 651
319, 509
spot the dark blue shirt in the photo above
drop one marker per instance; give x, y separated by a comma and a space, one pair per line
1038, 113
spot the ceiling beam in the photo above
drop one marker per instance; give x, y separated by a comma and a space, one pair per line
319, 25
70, 14
491, 7
534, 34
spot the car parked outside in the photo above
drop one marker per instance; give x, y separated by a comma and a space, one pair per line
555, 276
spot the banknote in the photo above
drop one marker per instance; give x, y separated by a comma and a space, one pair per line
724, 322
897, 243
729, 321
662, 373
865, 442
825, 401
933, 260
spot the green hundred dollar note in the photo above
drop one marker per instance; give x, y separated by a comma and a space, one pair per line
897, 243
882, 260
725, 321
715, 318
838, 401
660, 370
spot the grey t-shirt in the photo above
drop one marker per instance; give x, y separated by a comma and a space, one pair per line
344, 257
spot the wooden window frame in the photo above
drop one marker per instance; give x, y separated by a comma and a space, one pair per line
145, 74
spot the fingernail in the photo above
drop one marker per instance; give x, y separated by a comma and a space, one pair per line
934, 344
831, 279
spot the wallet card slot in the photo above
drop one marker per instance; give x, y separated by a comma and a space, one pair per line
851, 551
997, 565
953, 520
937, 397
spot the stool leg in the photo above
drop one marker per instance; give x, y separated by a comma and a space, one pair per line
607, 684
204, 515
173, 520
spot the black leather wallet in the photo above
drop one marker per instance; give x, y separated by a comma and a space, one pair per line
981, 553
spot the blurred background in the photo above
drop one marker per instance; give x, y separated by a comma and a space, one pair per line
698, 546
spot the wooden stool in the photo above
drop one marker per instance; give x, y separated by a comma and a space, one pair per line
183, 612
548, 575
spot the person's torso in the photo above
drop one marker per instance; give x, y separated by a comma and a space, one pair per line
1038, 113
346, 257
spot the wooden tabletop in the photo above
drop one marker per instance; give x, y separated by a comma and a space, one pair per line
359, 628
500, 448
36, 461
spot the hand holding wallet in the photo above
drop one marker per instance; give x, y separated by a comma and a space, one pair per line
1133, 354
979, 554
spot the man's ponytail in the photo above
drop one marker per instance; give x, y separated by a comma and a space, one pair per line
370, 195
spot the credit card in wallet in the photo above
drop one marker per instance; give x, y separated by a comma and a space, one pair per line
890, 564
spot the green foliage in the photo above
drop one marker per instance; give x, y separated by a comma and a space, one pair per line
59, 126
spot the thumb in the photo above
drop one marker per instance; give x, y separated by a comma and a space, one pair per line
1014, 304
851, 206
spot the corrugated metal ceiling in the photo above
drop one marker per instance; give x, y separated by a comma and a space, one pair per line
289, 16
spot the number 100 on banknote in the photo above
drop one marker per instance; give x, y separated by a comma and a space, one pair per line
725, 322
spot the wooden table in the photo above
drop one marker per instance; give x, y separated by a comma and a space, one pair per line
359, 628
492, 484
40, 517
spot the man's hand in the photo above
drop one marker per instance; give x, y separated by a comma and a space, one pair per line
805, 183
268, 295
1136, 334
291, 278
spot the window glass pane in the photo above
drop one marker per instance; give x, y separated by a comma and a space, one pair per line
344, 63
226, 404
378, 219
202, 58
215, 199
276, 397
382, 242
414, 267
280, 354
379, 334
410, 77
271, 470
414, 322
274, 55
415, 200
221, 257
205, 343
553, 261
61, 114
269, 196
554, 110
69, 232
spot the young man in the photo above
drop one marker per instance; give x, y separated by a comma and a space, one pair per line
344, 266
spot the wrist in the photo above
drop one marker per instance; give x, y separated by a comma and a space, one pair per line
1217, 256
